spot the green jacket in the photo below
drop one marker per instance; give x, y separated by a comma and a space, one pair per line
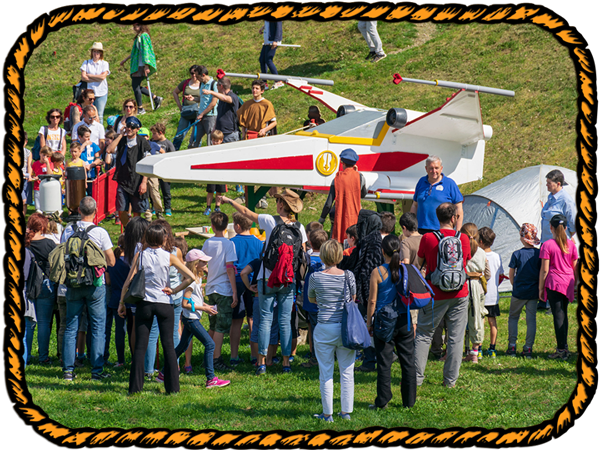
142, 53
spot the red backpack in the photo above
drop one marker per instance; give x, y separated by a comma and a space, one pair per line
67, 115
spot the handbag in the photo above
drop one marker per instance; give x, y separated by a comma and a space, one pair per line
137, 288
384, 322
355, 335
190, 112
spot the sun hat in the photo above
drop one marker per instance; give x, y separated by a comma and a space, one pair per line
291, 199
97, 46
195, 255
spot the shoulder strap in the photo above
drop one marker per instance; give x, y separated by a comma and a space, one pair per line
404, 271
46, 133
278, 220
185, 84
212, 86
438, 235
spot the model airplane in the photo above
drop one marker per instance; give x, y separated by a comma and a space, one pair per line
392, 146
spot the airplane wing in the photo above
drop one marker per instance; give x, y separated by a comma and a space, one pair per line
332, 101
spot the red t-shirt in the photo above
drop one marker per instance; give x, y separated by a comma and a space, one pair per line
428, 249
39, 169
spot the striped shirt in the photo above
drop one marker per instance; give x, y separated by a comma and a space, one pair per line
329, 291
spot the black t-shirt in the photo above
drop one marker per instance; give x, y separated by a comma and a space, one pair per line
41, 249
227, 121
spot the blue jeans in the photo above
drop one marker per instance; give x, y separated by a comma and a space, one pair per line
150, 358
284, 296
100, 103
120, 331
193, 327
266, 59
177, 312
29, 329
95, 299
44, 305
183, 124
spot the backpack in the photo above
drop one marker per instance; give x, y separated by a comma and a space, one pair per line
413, 291
74, 262
67, 115
283, 235
450, 274
35, 278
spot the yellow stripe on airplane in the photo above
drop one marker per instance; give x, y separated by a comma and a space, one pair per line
334, 139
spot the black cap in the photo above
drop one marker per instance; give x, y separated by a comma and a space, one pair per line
557, 220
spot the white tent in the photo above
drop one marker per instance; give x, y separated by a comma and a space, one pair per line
508, 203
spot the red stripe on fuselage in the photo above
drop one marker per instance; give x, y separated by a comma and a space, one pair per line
303, 162
389, 162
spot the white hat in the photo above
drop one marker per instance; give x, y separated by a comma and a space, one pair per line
97, 46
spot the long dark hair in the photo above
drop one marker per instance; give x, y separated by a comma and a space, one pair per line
134, 234
391, 247
170, 243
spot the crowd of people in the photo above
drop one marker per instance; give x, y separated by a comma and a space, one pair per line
245, 278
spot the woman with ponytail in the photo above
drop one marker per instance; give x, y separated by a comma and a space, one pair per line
477, 311
383, 292
558, 277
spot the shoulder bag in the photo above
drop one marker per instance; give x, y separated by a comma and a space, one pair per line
355, 335
137, 288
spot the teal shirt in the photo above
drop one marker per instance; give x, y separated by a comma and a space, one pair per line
206, 99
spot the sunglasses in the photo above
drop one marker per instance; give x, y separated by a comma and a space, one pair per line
55, 117
129, 106
131, 127
91, 99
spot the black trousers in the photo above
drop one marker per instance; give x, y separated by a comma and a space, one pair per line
165, 315
404, 343
165, 187
558, 303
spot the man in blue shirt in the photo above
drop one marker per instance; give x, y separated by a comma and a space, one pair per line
208, 107
559, 202
432, 190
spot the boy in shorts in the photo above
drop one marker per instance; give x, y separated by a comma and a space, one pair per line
220, 189
221, 289
486, 240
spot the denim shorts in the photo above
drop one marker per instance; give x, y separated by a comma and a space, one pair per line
221, 322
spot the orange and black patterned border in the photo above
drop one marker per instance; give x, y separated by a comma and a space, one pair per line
218, 14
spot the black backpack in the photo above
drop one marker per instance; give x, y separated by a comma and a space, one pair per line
35, 278
283, 233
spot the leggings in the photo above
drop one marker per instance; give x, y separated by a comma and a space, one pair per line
559, 303
138, 90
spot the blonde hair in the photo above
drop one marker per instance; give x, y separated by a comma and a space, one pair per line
560, 236
331, 252
193, 266
470, 229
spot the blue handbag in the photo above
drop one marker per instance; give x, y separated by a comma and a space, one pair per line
355, 335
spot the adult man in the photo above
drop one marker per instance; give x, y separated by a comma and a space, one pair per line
347, 188
368, 28
132, 187
432, 190
96, 128
450, 305
94, 297
559, 202
229, 103
257, 116
208, 108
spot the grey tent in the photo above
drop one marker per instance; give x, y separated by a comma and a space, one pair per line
508, 203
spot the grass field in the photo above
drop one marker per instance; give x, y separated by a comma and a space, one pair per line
537, 126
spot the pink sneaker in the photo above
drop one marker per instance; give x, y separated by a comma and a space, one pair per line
160, 378
216, 383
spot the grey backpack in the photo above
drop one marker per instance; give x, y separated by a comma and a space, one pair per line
450, 274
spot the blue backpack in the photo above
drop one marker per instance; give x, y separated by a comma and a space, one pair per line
412, 289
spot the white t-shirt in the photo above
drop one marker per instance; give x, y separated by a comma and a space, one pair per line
96, 128
267, 222
54, 138
98, 235
496, 269
156, 263
100, 88
222, 252
198, 299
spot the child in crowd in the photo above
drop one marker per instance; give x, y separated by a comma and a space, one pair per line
58, 160
314, 117
409, 246
221, 288
486, 240
351, 240
28, 160
316, 238
158, 135
90, 154
524, 275
109, 158
153, 186
247, 248
193, 306
115, 277
41, 167
211, 189
252, 269
476, 311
